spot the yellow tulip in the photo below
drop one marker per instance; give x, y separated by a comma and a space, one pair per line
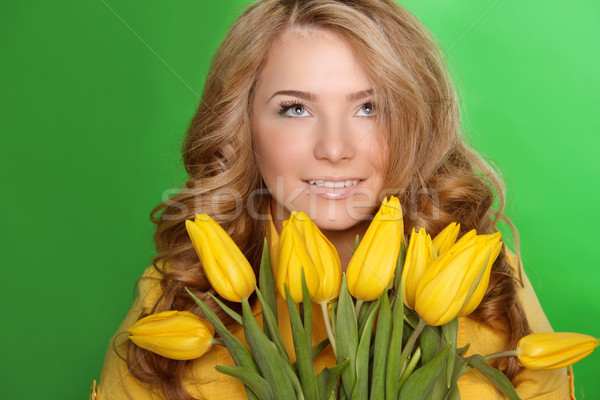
179, 335
446, 238
372, 265
419, 256
324, 256
228, 271
451, 280
294, 257
303, 245
554, 350
495, 244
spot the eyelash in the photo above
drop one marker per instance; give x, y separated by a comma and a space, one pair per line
287, 105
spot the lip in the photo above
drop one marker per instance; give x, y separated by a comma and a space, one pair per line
329, 187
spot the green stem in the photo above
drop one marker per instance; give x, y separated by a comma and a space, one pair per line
500, 354
217, 341
327, 322
359, 304
410, 343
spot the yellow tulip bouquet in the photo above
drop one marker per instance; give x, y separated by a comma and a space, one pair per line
391, 320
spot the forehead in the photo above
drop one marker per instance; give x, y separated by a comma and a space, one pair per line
313, 59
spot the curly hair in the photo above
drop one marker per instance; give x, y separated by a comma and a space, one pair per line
437, 177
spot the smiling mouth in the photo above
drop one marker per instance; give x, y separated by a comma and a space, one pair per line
334, 184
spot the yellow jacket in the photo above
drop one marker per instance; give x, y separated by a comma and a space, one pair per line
204, 382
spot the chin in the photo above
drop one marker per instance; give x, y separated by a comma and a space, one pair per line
342, 223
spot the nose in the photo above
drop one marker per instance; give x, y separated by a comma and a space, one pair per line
334, 142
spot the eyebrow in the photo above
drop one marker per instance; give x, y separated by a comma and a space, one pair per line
308, 96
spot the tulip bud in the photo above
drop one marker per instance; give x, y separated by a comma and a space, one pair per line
554, 350
452, 280
419, 256
324, 256
228, 271
446, 238
178, 335
494, 242
372, 265
296, 255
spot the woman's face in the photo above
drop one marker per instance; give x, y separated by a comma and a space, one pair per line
316, 140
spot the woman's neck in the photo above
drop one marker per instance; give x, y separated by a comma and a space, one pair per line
344, 241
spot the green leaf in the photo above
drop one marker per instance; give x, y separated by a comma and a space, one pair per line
361, 387
346, 332
251, 379
453, 394
307, 311
420, 383
270, 325
460, 367
411, 364
327, 380
439, 389
411, 317
291, 373
319, 347
240, 354
268, 358
400, 265
233, 314
238, 351
302, 348
392, 373
333, 313
316, 350
450, 335
381, 348
461, 352
494, 375
266, 281
429, 342
365, 311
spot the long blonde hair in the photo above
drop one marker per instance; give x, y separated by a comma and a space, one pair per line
437, 177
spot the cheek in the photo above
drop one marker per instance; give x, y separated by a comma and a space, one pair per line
277, 153
379, 159
379, 156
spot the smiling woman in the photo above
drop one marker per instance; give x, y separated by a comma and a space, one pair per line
318, 146
324, 107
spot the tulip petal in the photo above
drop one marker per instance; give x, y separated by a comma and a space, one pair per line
446, 238
178, 335
447, 284
419, 257
225, 266
303, 246
554, 350
494, 245
374, 261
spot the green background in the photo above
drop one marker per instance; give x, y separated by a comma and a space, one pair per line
95, 97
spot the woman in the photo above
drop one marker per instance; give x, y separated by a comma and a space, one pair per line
325, 107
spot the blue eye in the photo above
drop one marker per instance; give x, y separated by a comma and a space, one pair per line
366, 110
292, 110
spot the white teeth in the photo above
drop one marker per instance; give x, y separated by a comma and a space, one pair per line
334, 184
